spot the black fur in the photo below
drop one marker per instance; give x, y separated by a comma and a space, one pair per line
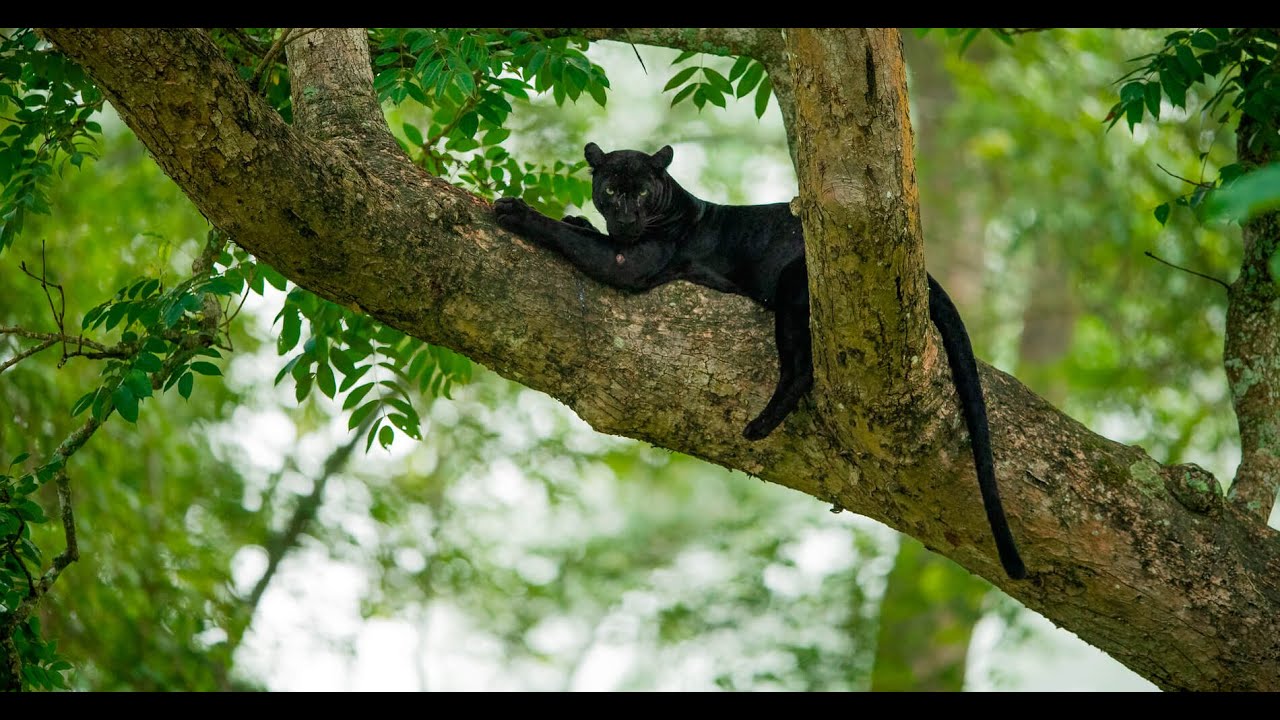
658, 232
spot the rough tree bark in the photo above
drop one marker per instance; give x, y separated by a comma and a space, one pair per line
1142, 560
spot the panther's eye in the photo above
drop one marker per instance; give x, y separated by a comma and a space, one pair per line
608, 191
644, 192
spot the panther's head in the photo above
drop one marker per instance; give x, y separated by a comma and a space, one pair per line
631, 189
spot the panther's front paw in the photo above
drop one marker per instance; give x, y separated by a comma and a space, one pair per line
578, 221
512, 214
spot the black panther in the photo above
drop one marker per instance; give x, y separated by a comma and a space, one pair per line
659, 232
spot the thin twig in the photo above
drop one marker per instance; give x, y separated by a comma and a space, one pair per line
12, 550
248, 42
56, 337
44, 285
298, 36
1207, 186
123, 350
270, 58
26, 354
243, 296
636, 50
1188, 270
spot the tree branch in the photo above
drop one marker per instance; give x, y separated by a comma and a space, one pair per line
862, 230
331, 76
56, 337
1251, 346
26, 354
1129, 554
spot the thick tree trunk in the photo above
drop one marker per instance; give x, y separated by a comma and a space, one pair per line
1144, 561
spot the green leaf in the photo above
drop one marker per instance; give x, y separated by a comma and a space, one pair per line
273, 277
492, 112
126, 404
1204, 41
1188, 61
302, 387
325, 380
147, 362
407, 426
91, 316
1131, 92
739, 67
45, 472
291, 331
19, 458
466, 83
1162, 213
420, 43
171, 314
717, 80
683, 56
100, 401
688, 89
495, 136
356, 395
205, 368
1174, 85
353, 377
536, 62
749, 80
185, 384
762, 97
1152, 94
679, 78
83, 403
138, 383
361, 413
597, 94
385, 436
469, 124
29, 511
412, 134
288, 367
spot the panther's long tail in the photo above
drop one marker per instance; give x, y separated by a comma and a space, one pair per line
964, 373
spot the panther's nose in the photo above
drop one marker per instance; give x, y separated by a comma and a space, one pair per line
626, 229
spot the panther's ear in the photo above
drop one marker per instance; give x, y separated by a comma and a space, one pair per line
662, 158
594, 155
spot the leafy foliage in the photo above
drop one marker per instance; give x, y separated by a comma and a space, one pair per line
1237, 69
703, 83
379, 365
466, 80
48, 106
